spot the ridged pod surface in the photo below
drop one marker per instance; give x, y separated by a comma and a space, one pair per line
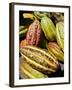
60, 34
48, 28
26, 71
55, 51
39, 59
34, 34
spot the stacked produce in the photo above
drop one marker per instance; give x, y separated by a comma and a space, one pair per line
41, 36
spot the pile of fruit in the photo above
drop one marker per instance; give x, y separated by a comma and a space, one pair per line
41, 38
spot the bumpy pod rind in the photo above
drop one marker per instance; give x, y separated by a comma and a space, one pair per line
34, 34
60, 34
26, 71
48, 28
39, 59
55, 51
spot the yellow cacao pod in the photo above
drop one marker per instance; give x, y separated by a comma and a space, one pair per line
39, 59
26, 71
55, 51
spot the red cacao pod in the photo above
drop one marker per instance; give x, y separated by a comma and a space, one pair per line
34, 33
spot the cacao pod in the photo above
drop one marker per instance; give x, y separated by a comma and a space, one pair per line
23, 43
39, 15
60, 34
22, 31
34, 33
29, 15
57, 17
55, 51
39, 59
26, 71
48, 28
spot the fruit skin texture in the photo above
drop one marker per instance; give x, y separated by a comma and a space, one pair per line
48, 28
34, 34
60, 34
26, 71
39, 59
23, 43
39, 15
55, 51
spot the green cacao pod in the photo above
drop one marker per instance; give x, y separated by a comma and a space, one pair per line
39, 15
39, 59
55, 51
26, 71
60, 34
22, 31
48, 28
